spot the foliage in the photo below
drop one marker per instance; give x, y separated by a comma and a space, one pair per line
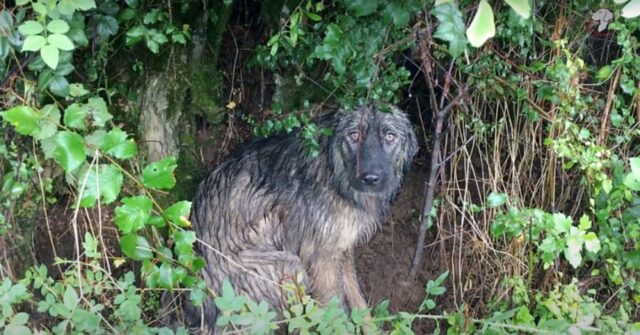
62, 127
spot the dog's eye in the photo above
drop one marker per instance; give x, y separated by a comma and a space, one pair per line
354, 135
390, 137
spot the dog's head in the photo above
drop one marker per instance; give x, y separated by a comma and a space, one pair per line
374, 148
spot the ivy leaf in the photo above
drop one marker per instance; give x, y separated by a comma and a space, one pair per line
30, 28
33, 43
178, 213
23, 118
482, 26
60, 41
136, 247
104, 181
50, 55
133, 214
522, 7
69, 151
450, 28
159, 175
115, 143
77, 90
58, 26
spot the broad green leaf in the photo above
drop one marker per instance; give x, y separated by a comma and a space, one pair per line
33, 43
69, 151
440, 2
591, 242
30, 27
496, 199
561, 223
133, 214
23, 118
362, 7
631, 9
632, 182
48, 123
115, 143
482, 26
50, 55
103, 180
573, 251
75, 116
159, 175
634, 163
585, 223
77, 90
39, 8
58, 26
59, 86
136, 247
522, 7
450, 28
60, 41
70, 298
98, 110
22, 2
178, 213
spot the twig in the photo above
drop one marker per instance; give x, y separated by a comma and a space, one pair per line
607, 108
528, 100
441, 112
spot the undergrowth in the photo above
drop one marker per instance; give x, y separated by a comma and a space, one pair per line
538, 220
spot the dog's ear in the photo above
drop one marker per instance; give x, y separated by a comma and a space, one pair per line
412, 144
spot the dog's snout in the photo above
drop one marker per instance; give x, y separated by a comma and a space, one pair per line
371, 178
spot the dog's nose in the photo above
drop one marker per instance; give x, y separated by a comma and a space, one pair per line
371, 178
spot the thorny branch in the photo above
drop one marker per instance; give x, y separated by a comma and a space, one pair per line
441, 112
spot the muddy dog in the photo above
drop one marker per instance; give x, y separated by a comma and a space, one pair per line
275, 212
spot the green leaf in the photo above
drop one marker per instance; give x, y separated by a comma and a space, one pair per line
115, 143
60, 41
23, 118
631, 9
572, 252
90, 246
561, 223
362, 7
591, 242
33, 43
585, 222
98, 111
70, 298
522, 7
103, 180
77, 90
69, 151
482, 26
30, 27
450, 28
159, 175
75, 116
133, 214
178, 213
634, 163
136, 247
48, 123
59, 86
50, 55
22, 2
58, 26
496, 199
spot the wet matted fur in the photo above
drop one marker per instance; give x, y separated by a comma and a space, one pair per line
275, 212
